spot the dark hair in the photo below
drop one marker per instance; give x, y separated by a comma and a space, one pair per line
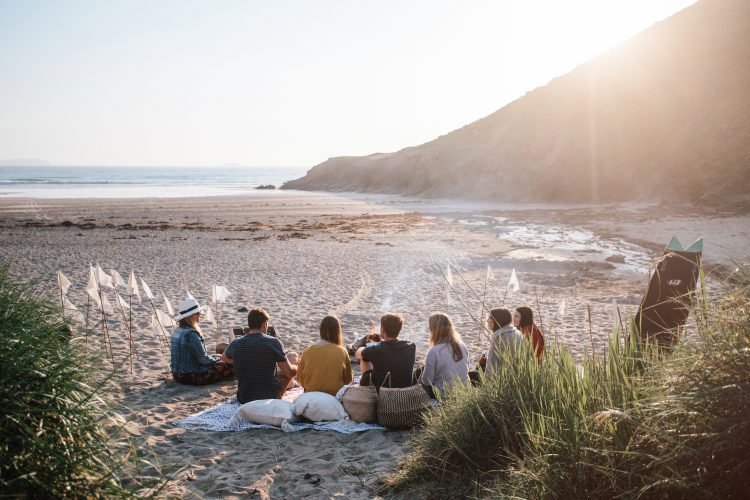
330, 330
500, 317
256, 318
527, 317
391, 324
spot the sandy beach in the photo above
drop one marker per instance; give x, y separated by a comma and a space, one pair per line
304, 255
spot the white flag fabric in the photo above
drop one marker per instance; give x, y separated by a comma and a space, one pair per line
513, 282
561, 310
170, 309
106, 305
63, 282
94, 294
165, 319
104, 278
132, 287
489, 273
156, 326
92, 284
210, 316
117, 279
122, 302
449, 276
448, 298
146, 290
189, 295
67, 304
220, 294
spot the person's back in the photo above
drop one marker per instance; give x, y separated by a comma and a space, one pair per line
441, 368
391, 356
505, 336
324, 367
255, 356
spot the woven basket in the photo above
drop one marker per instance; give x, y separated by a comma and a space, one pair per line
361, 403
401, 408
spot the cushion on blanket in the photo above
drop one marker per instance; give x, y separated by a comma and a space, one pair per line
265, 411
319, 407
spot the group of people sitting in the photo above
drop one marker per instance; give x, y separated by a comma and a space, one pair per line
265, 371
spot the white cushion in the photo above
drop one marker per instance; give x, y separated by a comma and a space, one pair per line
319, 407
265, 411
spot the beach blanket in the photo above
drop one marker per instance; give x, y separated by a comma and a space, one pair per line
217, 418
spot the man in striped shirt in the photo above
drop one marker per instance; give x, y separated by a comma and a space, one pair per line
260, 364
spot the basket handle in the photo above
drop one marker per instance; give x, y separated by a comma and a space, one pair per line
388, 378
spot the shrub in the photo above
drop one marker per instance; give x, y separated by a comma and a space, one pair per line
53, 438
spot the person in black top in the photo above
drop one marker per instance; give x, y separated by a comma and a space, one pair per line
260, 363
388, 356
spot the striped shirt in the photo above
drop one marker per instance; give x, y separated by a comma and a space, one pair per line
255, 356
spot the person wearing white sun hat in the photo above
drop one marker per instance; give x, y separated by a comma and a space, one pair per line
190, 362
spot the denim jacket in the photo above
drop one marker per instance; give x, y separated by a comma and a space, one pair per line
189, 352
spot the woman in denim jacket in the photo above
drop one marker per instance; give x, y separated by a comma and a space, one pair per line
190, 363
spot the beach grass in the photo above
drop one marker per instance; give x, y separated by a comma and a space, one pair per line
633, 422
58, 435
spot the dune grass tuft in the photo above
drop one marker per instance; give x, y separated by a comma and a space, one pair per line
56, 432
634, 423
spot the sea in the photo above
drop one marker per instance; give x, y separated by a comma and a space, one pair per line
140, 182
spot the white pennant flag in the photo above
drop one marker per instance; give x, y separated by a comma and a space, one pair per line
189, 295
94, 294
449, 276
210, 316
561, 310
62, 282
106, 306
132, 287
168, 303
513, 281
165, 319
117, 279
448, 298
92, 284
122, 302
146, 290
67, 304
155, 325
220, 294
489, 273
104, 278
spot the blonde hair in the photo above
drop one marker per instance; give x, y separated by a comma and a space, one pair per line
442, 331
190, 322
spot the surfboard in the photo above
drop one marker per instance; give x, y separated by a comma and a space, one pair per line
666, 305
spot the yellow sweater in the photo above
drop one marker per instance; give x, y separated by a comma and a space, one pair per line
325, 368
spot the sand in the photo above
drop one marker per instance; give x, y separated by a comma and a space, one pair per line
304, 255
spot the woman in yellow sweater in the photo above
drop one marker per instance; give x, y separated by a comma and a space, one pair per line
325, 365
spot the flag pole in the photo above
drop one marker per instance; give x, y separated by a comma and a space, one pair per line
162, 340
105, 329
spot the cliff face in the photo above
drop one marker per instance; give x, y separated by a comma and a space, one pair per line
666, 114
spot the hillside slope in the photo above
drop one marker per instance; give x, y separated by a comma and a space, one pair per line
666, 114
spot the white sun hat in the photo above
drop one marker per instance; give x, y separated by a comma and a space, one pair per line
188, 307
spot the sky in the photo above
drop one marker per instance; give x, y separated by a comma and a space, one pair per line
279, 83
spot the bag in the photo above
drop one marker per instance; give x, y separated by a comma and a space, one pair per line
319, 407
361, 403
401, 408
265, 411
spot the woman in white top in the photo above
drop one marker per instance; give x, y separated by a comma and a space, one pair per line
447, 360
